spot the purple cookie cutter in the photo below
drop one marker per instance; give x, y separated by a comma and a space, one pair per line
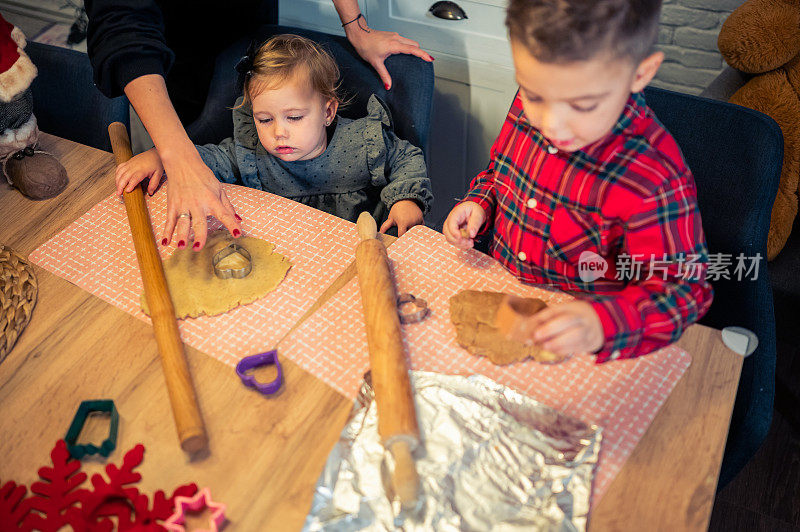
269, 358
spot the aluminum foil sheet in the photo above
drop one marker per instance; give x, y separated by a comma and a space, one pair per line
490, 459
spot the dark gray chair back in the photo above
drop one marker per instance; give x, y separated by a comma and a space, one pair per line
736, 156
66, 102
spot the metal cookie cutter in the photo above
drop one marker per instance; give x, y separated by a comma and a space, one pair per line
78, 451
414, 316
235, 273
262, 359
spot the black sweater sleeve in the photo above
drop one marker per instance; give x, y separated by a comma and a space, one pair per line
125, 40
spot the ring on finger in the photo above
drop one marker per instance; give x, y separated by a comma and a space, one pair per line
185, 215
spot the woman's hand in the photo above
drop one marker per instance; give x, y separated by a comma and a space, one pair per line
463, 223
375, 46
193, 194
405, 214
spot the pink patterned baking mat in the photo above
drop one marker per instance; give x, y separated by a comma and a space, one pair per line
96, 253
623, 396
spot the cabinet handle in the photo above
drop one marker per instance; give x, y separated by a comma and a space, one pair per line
447, 10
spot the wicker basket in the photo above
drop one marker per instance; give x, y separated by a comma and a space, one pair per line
18, 289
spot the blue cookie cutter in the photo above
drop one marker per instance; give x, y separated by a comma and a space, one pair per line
268, 358
78, 451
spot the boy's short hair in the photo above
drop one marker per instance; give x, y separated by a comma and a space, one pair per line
284, 56
578, 30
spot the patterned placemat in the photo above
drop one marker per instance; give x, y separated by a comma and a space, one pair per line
96, 253
622, 397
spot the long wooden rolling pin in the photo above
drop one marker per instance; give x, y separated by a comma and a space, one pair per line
397, 418
191, 431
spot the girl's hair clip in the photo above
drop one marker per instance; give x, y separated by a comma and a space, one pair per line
245, 65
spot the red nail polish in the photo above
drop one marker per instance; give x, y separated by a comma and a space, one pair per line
164, 241
236, 233
386, 85
196, 245
181, 244
238, 217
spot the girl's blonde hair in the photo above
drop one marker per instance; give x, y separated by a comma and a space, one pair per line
283, 57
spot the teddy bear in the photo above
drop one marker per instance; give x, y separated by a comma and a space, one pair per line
762, 37
34, 172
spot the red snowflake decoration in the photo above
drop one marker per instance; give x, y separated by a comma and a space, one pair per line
59, 500
13, 508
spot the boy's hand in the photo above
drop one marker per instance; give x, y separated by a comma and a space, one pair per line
565, 328
137, 169
405, 214
463, 223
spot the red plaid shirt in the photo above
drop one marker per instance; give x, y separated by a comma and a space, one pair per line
628, 198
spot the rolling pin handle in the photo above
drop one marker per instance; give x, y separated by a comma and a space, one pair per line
405, 479
367, 227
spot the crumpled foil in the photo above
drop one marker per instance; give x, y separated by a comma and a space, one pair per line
490, 459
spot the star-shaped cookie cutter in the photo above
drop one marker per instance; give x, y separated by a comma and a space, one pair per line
202, 499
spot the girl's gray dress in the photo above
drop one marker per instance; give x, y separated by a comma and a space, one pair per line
364, 168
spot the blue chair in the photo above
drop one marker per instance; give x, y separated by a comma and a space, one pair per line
66, 102
409, 100
735, 155
785, 284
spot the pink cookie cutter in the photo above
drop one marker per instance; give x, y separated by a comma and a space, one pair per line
200, 500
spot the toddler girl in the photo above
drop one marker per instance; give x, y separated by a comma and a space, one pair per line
289, 141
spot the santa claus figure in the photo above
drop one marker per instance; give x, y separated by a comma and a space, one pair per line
33, 172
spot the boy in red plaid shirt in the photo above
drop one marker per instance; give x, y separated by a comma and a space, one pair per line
586, 191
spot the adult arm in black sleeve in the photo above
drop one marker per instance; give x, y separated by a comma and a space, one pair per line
129, 54
125, 40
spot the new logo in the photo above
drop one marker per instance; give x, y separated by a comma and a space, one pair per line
591, 266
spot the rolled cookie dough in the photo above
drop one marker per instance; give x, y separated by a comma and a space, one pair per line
473, 314
196, 291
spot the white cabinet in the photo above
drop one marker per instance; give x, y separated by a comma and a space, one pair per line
319, 15
474, 79
467, 116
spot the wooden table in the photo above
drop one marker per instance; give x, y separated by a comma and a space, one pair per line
266, 454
